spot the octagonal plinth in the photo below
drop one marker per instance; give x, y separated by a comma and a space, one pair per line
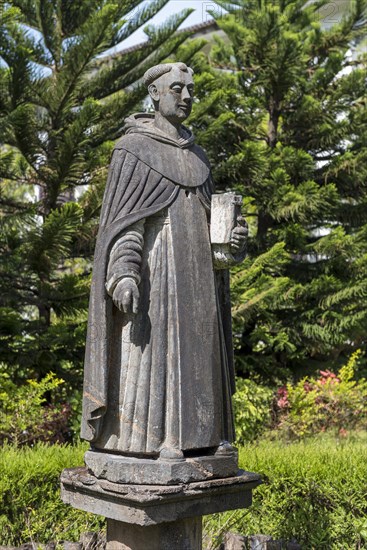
155, 516
152, 504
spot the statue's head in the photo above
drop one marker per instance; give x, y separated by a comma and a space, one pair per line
171, 88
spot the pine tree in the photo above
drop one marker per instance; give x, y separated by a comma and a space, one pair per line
62, 106
282, 113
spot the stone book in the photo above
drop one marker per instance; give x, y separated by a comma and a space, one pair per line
225, 210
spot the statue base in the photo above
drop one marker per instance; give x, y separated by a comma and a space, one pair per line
148, 471
154, 516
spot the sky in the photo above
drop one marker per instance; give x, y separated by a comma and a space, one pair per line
174, 6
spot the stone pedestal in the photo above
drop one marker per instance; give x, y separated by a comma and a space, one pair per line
155, 517
148, 471
185, 534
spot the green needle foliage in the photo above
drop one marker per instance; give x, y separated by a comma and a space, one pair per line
282, 112
62, 105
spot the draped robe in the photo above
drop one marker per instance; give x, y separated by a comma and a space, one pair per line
162, 377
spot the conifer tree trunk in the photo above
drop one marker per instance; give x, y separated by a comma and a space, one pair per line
274, 114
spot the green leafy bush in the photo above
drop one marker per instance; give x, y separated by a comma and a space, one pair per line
251, 404
313, 491
30, 503
26, 417
332, 402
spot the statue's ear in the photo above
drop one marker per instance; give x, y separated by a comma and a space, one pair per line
153, 92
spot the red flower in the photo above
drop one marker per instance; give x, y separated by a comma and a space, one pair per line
328, 375
282, 393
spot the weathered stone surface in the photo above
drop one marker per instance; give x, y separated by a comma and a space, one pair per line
72, 546
119, 469
234, 541
185, 534
151, 505
275, 545
259, 542
225, 210
159, 364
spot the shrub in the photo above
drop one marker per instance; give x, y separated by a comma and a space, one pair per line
313, 491
26, 417
331, 402
30, 505
251, 404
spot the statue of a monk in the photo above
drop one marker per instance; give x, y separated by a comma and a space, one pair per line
159, 368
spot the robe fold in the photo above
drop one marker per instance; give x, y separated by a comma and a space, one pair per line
162, 377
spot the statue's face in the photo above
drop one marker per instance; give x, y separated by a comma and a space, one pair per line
174, 93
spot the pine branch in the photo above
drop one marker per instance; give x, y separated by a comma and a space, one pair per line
70, 161
28, 11
75, 14
121, 71
142, 16
95, 34
49, 17
51, 241
305, 203
112, 113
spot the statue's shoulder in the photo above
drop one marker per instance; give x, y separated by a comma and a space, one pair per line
200, 153
185, 166
133, 143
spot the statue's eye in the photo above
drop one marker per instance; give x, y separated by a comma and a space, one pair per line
177, 89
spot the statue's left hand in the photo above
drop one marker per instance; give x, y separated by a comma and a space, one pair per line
126, 295
239, 236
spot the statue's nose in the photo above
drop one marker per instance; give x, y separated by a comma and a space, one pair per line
186, 96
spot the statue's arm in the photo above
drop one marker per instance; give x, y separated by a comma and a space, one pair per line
123, 272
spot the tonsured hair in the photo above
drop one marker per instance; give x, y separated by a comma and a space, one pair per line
159, 70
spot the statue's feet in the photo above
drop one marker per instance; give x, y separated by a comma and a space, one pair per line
170, 453
225, 448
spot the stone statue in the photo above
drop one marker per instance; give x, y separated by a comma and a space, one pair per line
159, 367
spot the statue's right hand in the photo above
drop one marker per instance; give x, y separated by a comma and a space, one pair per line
126, 295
